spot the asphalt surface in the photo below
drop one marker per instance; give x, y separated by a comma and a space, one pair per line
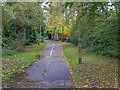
51, 71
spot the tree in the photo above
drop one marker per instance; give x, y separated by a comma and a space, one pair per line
95, 24
18, 20
56, 22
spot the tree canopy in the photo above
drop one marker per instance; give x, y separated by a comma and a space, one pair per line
21, 24
92, 24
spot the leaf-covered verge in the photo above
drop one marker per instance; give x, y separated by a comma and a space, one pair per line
19, 60
95, 71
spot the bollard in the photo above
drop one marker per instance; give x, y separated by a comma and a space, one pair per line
79, 54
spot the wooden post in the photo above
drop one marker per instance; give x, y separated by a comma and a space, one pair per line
79, 54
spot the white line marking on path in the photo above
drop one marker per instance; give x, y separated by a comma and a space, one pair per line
52, 49
50, 59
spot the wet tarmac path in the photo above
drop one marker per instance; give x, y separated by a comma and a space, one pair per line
51, 71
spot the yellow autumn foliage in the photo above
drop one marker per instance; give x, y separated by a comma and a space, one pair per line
58, 22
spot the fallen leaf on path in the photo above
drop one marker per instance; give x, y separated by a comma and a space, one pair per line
85, 86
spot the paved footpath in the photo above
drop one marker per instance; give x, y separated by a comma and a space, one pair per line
51, 71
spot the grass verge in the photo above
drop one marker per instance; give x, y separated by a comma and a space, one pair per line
95, 71
17, 61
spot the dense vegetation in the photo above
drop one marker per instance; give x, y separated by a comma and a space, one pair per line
97, 27
94, 25
22, 25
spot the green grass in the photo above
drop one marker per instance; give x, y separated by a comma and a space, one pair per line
95, 69
19, 60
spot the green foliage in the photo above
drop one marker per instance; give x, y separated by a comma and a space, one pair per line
6, 52
93, 24
31, 36
69, 4
97, 28
40, 39
20, 24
